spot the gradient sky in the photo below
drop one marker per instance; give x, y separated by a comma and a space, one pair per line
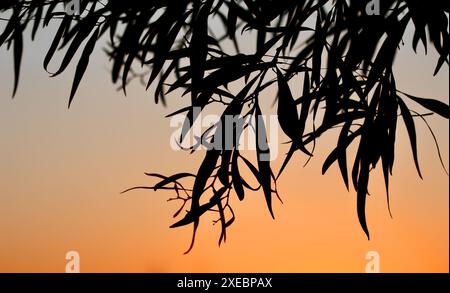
62, 171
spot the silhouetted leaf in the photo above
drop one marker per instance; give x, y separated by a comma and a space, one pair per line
83, 64
263, 157
165, 43
411, 128
11, 26
436, 106
56, 40
339, 153
223, 172
37, 20
287, 110
386, 54
363, 182
18, 49
306, 103
288, 117
171, 179
199, 46
84, 31
203, 174
236, 177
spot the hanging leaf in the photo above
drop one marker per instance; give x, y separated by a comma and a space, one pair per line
411, 128
363, 182
18, 50
287, 109
236, 177
84, 31
436, 106
263, 157
83, 64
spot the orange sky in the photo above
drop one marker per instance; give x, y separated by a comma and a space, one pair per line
62, 171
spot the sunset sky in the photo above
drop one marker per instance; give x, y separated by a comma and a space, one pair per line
62, 172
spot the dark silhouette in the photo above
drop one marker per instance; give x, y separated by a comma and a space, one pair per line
343, 51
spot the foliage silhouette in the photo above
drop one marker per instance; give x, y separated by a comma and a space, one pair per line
344, 56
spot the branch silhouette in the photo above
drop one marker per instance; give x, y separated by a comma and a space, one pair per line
343, 55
